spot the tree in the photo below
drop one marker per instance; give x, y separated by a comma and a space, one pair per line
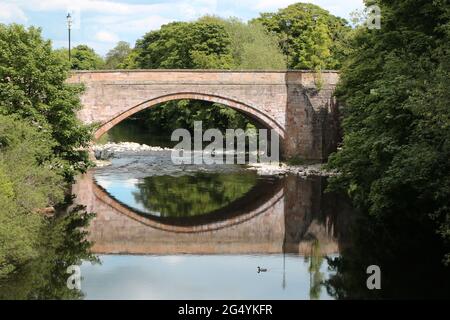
184, 45
40, 144
395, 156
309, 36
82, 58
85, 58
29, 179
33, 87
117, 56
252, 47
130, 61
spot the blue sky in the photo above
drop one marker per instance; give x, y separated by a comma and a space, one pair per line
101, 23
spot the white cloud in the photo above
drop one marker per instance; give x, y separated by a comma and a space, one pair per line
10, 12
120, 24
105, 36
121, 8
267, 5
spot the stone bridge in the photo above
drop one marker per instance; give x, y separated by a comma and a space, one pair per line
290, 102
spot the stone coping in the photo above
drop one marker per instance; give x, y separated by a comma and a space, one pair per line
201, 71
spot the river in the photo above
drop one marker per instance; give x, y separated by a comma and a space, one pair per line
204, 235
164, 231
195, 232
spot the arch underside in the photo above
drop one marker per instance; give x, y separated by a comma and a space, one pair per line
246, 109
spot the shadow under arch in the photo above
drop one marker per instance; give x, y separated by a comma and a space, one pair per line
262, 197
246, 109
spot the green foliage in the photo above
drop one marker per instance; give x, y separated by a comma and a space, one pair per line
116, 57
30, 178
252, 47
192, 195
41, 140
35, 251
85, 58
32, 86
82, 58
61, 243
169, 116
184, 45
130, 61
310, 36
296, 161
395, 88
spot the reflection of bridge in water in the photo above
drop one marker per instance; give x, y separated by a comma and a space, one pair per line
292, 215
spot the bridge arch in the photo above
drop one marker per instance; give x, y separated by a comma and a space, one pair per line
248, 110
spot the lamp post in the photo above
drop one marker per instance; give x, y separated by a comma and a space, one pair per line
69, 26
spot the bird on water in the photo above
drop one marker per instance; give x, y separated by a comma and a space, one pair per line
261, 270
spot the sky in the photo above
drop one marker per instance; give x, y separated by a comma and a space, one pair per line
102, 23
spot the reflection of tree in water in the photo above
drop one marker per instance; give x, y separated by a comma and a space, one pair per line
408, 252
192, 195
315, 276
62, 244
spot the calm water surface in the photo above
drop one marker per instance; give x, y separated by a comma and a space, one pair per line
164, 232
268, 229
202, 277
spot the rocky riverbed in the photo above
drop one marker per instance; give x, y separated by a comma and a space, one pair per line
143, 160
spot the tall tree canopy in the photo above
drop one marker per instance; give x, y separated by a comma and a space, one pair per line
41, 143
28, 180
309, 36
252, 47
85, 58
184, 45
115, 58
82, 58
395, 160
209, 43
33, 87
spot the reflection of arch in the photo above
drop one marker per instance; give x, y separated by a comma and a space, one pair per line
257, 201
244, 108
